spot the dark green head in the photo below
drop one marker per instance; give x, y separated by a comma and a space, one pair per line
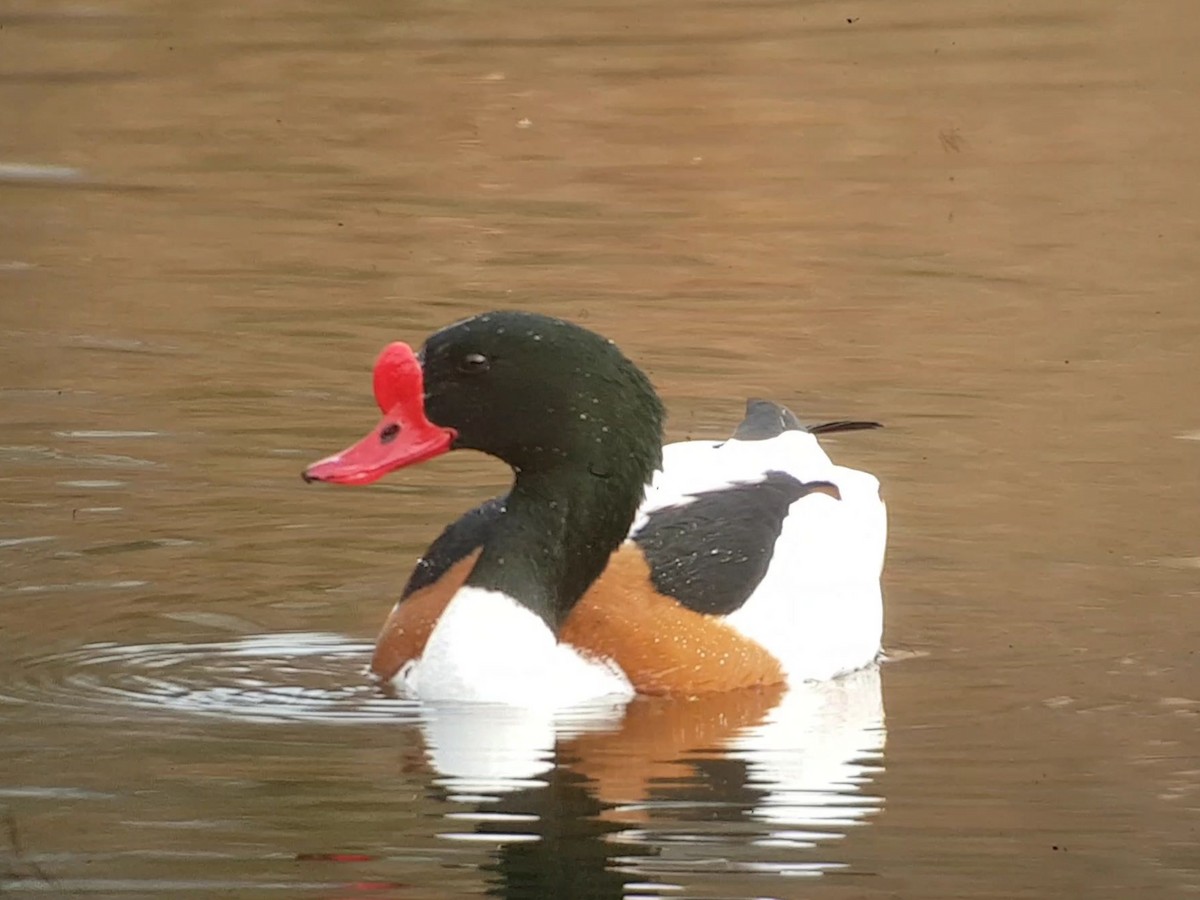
579, 423
542, 394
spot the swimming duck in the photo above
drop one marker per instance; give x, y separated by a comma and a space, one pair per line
614, 566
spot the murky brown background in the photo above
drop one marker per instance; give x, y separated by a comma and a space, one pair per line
977, 222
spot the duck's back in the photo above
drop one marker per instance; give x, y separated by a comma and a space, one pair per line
798, 542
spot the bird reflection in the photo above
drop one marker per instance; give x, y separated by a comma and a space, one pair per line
663, 793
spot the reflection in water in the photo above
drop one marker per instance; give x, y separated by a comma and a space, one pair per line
571, 854
582, 802
491, 749
585, 805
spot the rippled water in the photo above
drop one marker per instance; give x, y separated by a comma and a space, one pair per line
974, 222
271, 677
645, 791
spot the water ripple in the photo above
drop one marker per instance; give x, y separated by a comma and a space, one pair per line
291, 677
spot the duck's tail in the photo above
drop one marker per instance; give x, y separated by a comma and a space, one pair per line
766, 419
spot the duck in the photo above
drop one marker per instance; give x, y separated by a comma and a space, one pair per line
614, 566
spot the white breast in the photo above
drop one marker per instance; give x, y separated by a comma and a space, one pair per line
488, 648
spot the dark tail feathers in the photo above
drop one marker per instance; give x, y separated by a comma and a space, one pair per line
766, 419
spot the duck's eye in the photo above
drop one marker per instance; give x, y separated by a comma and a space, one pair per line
474, 363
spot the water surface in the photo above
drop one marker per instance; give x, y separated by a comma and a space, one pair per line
975, 222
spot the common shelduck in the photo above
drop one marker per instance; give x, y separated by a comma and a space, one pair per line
614, 566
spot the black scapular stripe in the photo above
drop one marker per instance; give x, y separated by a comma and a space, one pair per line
460, 539
710, 554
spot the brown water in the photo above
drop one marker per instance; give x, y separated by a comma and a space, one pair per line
975, 221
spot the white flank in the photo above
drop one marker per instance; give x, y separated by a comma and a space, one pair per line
488, 648
819, 609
